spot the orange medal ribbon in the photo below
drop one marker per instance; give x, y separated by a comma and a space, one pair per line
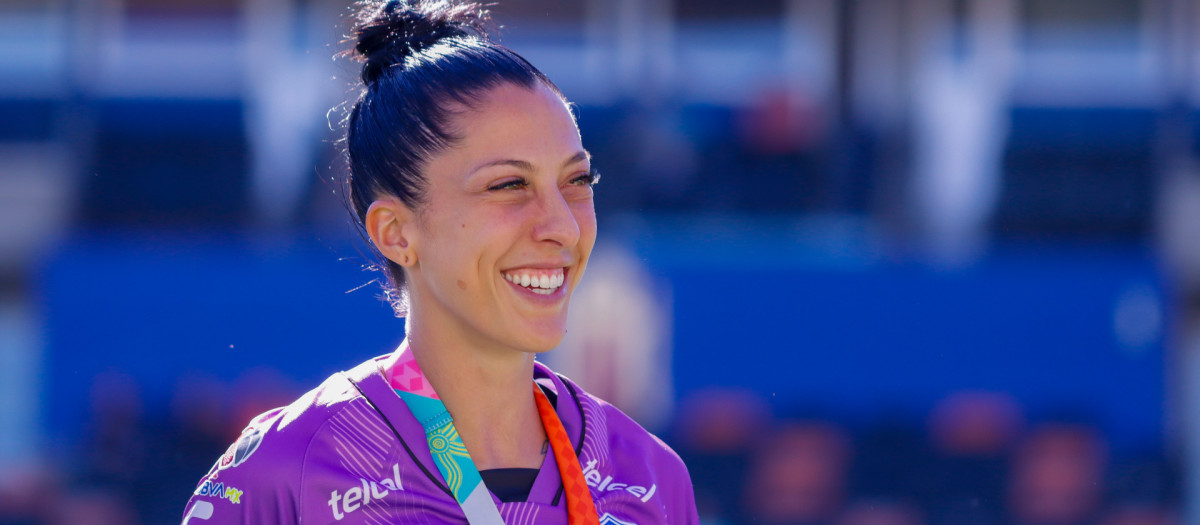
581, 510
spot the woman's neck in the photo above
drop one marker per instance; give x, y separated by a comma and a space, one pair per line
489, 392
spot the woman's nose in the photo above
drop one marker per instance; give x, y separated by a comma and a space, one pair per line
556, 220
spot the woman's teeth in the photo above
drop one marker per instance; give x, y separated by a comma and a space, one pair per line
544, 283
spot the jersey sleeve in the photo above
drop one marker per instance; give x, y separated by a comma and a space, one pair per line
635, 456
684, 512
679, 497
256, 480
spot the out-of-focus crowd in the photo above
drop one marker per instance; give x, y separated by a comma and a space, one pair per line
975, 461
138, 459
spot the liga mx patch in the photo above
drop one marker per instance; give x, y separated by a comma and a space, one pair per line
609, 519
240, 450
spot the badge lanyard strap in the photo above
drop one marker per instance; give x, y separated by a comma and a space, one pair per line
581, 510
462, 477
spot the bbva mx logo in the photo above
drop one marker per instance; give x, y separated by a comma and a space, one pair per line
609, 519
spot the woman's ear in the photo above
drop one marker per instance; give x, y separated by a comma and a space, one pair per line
389, 223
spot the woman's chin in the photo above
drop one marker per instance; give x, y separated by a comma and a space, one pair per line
539, 341
536, 334
543, 344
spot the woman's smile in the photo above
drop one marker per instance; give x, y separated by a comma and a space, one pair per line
539, 281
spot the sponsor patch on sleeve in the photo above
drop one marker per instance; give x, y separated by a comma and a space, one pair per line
240, 450
219, 490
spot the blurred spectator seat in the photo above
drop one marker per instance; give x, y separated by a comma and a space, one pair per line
167, 162
1078, 171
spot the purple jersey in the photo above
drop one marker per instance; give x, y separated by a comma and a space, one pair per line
351, 452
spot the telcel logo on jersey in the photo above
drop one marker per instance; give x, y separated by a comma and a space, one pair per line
358, 497
592, 475
217, 489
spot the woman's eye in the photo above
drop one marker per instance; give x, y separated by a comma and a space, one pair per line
587, 179
514, 184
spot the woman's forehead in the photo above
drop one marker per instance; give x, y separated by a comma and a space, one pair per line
513, 115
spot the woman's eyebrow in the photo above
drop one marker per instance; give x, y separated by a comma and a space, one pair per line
578, 157
519, 164
527, 166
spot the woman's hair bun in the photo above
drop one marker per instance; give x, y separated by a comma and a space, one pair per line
387, 32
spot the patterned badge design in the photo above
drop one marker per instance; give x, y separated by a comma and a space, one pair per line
445, 445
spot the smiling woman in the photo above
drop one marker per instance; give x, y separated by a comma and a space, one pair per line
510, 200
468, 174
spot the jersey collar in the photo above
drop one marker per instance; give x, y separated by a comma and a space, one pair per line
370, 381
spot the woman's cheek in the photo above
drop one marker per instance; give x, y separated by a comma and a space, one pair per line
587, 223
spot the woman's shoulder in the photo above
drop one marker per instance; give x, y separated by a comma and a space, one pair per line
621, 433
260, 475
629, 468
286, 432
627, 436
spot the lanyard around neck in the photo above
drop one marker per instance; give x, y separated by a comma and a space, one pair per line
462, 477
581, 510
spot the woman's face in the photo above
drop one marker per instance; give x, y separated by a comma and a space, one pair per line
507, 225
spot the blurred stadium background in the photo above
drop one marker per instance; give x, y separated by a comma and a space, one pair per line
862, 262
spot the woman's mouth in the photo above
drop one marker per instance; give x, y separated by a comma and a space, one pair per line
543, 281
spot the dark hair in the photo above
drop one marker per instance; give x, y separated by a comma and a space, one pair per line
421, 59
